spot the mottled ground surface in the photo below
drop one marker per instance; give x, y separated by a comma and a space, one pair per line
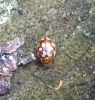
71, 24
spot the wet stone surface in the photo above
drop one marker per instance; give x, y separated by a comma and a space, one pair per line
70, 24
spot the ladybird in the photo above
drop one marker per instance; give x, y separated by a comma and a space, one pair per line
46, 50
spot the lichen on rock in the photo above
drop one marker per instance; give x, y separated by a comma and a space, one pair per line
6, 11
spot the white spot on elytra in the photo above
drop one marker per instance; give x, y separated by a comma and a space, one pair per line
51, 48
49, 54
53, 44
40, 49
48, 45
44, 53
43, 45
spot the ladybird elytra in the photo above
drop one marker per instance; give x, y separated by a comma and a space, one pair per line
46, 50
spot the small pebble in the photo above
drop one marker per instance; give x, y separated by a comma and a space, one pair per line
19, 82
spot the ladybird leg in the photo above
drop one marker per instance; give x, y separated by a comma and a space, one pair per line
4, 74
47, 66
